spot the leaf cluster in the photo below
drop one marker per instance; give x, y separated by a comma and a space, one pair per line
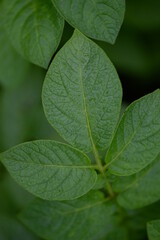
77, 196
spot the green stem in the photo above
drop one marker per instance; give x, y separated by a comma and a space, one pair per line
109, 188
97, 158
102, 170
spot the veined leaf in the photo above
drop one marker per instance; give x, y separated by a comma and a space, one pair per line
153, 229
89, 217
137, 139
50, 170
144, 188
97, 19
82, 94
34, 28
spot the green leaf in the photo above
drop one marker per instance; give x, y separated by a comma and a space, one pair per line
34, 28
12, 66
97, 19
89, 217
121, 183
137, 139
101, 182
82, 94
153, 229
50, 170
144, 188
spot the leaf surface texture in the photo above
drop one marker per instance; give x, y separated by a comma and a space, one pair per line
97, 19
34, 28
82, 94
50, 170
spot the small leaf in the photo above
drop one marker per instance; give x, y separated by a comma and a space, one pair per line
50, 170
89, 217
82, 94
144, 188
137, 140
97, 19
34, 28
153, 229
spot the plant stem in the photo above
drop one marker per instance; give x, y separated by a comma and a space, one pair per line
109, 188
102, 170
97, 158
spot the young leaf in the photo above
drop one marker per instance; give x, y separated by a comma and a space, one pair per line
153, 229
50, 170
144, 188
137, 139
97, 19
34, 28
89, 217
82, 94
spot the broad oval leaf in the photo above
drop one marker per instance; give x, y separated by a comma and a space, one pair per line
82, 94
50, 170
137, 140
97, 19
34, 28
153, 229
142, 189
89, 217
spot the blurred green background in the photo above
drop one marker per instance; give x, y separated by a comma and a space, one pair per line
136, 56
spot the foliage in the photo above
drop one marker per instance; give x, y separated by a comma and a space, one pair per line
98, 180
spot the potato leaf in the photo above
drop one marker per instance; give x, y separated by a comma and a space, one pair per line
143, 189
137, 140
50, 170
34, 28
89, 217
82, 94
97, 19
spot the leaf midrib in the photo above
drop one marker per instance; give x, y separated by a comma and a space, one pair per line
84, 208
130, 139
54, 165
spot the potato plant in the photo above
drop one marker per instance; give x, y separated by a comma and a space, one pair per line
102, 182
